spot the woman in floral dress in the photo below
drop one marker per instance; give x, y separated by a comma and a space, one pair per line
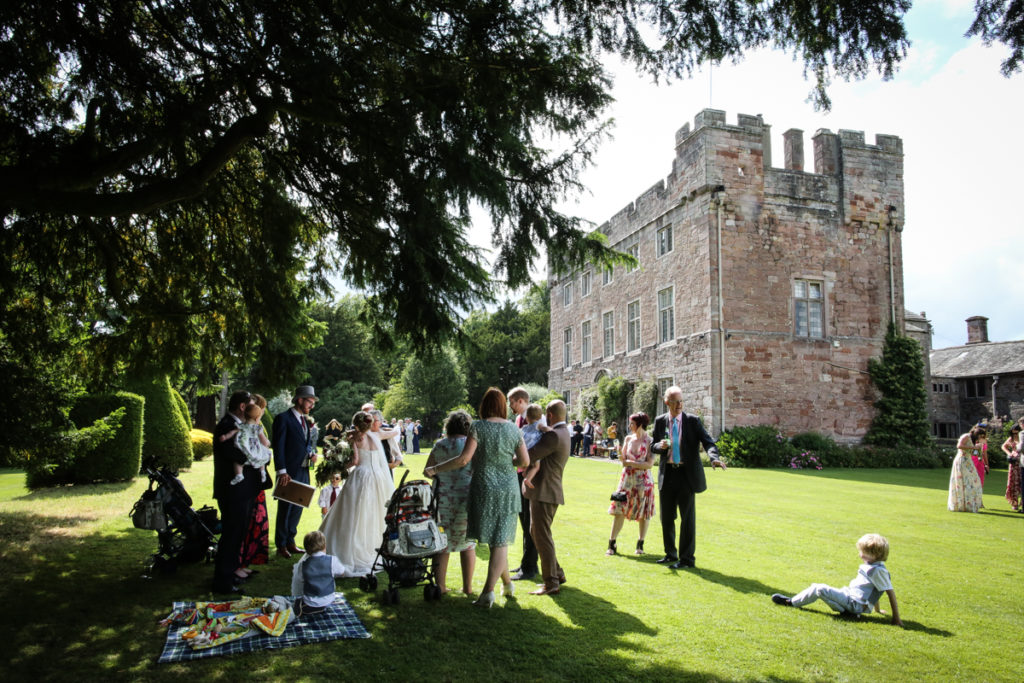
964, 483
1012, 449
453, 501
496, 448
636, 482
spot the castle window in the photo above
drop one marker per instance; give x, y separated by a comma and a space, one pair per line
944, 430
608, 324
664, 383
567, 347
634, 251
606, 276
565, 396
975, 387
585, 285
567, 294
666, 315
664, 237
808, 309
633, 325
586, 336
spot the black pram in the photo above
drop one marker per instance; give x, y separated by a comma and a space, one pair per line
411, 538
184, 535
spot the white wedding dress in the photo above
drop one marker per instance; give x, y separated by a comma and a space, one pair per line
354, 526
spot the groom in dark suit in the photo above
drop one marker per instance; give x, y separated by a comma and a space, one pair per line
677, 439
294, 452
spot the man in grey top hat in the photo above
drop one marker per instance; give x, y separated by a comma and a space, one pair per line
294, 451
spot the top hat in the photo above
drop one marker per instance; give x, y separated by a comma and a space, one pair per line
305, 391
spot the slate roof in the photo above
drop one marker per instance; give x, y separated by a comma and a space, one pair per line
976, 360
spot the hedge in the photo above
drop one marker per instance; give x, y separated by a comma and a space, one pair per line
118, 460
179, 401
52, 463
202, 444
166, 440
765, 446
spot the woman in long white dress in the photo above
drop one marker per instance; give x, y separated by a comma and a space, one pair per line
354, 526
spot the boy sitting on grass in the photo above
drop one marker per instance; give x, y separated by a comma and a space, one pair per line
313, 576
864, 590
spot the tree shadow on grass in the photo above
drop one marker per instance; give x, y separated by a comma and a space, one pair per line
57, 492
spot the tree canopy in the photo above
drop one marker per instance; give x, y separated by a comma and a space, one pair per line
179, 178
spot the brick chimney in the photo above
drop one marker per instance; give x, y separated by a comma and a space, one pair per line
977, 329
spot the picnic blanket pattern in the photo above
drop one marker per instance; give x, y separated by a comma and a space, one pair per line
336, 622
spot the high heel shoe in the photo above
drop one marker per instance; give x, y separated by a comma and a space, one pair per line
640, 547
612, 548
509, 590
485, 600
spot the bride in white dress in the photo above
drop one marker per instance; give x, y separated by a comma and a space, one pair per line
354, 526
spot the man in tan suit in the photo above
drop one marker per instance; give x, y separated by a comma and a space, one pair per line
551, 453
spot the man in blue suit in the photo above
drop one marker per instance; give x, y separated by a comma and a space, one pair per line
294, 452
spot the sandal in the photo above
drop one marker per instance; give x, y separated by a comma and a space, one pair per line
612, 548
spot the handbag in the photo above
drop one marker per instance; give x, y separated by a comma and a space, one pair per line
148, 512
619, 496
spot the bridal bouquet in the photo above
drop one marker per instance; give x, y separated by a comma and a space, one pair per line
336, 456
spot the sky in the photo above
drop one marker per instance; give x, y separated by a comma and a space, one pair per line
959, 120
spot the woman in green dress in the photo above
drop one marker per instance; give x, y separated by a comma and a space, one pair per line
496, 448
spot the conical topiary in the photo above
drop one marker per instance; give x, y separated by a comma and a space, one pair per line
165, 436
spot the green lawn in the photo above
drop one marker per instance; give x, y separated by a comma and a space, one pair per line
78, 608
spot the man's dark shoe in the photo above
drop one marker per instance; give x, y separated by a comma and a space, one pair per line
294, 549
668, 559
283, 552
520, 575
780, 599
682, 564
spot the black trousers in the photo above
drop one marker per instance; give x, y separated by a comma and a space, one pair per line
528, 565
235, 513
676, 494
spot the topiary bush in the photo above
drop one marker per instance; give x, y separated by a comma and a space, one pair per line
179, 401
165, 441
53, 462
121, 457
202, 444
758, 446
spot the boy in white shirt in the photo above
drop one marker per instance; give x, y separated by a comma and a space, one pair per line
329, 494
865, 589
313, 576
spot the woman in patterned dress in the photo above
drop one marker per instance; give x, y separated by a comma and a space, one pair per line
256, 544
1012, 449
496, 448
964, 483
636, 482
453, 500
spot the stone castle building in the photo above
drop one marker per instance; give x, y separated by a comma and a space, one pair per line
761, 291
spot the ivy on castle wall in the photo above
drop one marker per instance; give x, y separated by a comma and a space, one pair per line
902, 409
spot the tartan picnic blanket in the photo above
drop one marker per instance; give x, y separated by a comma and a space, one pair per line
336, 622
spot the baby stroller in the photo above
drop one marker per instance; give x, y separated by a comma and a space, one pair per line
183, 534
411, 538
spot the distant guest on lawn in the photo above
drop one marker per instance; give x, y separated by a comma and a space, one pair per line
964, 482
677, 440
